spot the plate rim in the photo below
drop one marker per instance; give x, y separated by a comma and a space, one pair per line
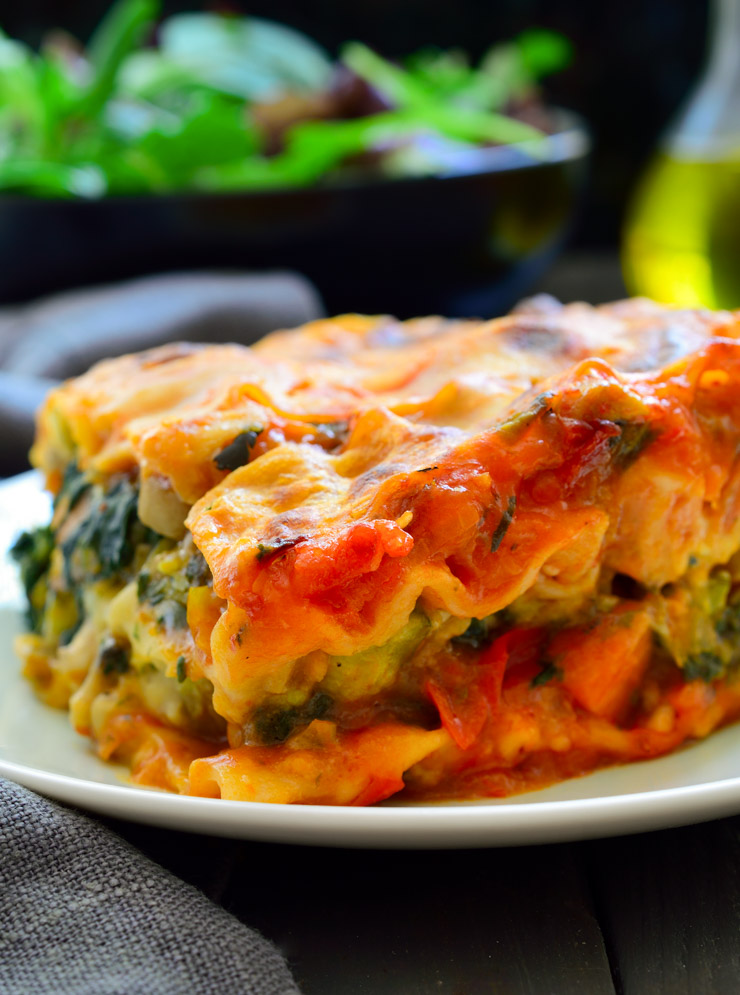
445, 825
412, 825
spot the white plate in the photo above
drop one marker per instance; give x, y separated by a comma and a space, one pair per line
38, 748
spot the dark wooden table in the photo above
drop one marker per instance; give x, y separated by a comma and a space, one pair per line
655, 914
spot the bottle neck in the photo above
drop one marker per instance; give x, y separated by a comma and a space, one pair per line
724, 40
709, 125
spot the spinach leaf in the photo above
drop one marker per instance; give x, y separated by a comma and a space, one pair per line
727, 625
265, 549
513, 427
174, 615
197, 570
548, 673
104, 543
152, 590
168, 591
238, 451
114, 657
32, 552
66, 637
633, 438
274, 725
703, 666
74, 484
476, 635
503, 526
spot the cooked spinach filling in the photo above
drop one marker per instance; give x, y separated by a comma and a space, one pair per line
703, 666
104, 542
697, 621
238, 451
74, 484
114, 657
167, 592
502, 528
197, 570
477, 635
173, 615
102, 545
633, 438
275, 724
32, 552
549, 672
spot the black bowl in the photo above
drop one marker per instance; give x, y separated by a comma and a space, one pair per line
468, 242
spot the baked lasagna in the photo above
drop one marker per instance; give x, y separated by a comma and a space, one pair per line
452, 559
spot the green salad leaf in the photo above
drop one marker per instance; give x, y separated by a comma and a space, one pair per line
193, 111
247, 57
120, 32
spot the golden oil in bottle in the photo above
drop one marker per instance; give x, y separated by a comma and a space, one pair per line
681, 240
682, 236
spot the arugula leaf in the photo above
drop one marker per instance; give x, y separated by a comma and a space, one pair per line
22, 110
544, 52
211, 131
251, 58
402, 88
119, 33
126, 119
417, 93
52, 178
448, 71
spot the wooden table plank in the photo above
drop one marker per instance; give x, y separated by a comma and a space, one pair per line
411, 923
499, 922
669, 905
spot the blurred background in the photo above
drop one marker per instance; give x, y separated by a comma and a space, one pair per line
634, 62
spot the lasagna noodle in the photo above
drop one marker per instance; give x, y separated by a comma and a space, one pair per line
461, 557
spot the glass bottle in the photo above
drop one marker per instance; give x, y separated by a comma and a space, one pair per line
682, 236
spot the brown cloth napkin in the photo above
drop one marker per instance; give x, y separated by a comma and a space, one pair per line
84, 913
63, 335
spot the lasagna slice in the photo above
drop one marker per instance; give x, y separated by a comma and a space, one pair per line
453, 559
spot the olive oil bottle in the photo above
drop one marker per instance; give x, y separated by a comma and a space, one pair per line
681, 240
